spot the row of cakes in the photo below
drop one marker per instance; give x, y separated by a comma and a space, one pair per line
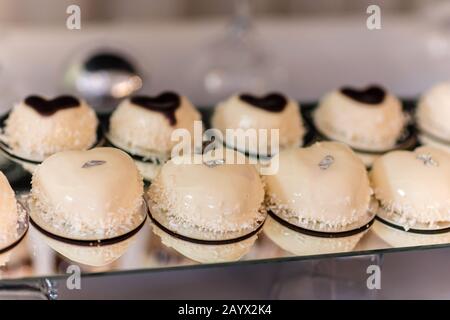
371, 121
321, 200
56, 119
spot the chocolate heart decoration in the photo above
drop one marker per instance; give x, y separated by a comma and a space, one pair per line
49, 107
370, 95
108, 61
166, 103
273, 102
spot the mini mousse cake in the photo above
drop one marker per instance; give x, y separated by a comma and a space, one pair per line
37, 128
319, 201
9, 213
87, 195
370, 121
207, 211
273, 111
142, 126
413, 189
433, 117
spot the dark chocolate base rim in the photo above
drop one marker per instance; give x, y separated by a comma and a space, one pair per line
405, 144
16, 242
320, 234
4, 147
89, 243
205, 242
434, 137
416, 231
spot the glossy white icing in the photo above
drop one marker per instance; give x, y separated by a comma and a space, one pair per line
322, 187
88, 194
223, 201
414, 185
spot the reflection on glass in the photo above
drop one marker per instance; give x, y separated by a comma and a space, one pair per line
103, 77
87, 254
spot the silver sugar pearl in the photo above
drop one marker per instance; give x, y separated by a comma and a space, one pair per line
427, 159
93, 163
326, 162
214, 162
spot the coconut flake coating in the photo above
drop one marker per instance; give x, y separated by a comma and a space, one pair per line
9, 215
212, 203
368, 127
323, 187
414, 185
235, 113
146, 132
433, 112
76, 200
36, 136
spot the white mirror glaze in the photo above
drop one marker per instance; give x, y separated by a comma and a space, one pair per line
418, 192
235, 113
102, 201
433, 112
145, 132
223, 201
9, 215
368, 127
34, 136
308, 196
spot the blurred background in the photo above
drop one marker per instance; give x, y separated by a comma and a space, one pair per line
32, 12
208, 49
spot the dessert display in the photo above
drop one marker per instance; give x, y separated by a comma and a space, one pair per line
319, 201
273, 111
207, 210
37, 128
142, 126
413, 189
88, 203
87, 195
370, 120
433, 117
